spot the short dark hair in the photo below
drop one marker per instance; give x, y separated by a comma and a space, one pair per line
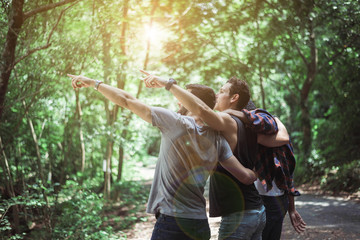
242, 88
250, 105
205, 93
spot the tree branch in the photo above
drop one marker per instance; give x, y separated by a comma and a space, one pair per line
48, 44
293, 95
339, 53
298, 50
31, 52
293, 81
46, 8
181, 15
228, 55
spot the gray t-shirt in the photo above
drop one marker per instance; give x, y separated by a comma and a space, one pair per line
188, 154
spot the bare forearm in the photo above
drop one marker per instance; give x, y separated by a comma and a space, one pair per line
116, 95
126, 100
271, 140
241, 173
291, 203
282, 134
275, 140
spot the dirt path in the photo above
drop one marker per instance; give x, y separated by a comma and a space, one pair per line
326, 218
330, 218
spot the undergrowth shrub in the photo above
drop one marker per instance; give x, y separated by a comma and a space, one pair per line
344, 178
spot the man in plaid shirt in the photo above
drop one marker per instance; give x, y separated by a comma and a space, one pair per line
275, 167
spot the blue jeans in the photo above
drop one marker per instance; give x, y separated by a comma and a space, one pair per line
174, 228
244, 225
276, 208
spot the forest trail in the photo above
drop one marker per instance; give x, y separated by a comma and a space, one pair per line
327, 217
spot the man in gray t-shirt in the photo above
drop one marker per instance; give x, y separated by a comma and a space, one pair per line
188, 153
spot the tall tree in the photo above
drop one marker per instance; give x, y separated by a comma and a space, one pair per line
17, 17
121, 78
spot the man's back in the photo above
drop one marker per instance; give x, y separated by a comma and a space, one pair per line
188, 153
227, 194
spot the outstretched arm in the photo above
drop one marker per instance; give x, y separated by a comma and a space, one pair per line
115, 95
217, 121
296, 220
243, 174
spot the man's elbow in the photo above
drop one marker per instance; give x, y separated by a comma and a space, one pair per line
284, 137
212, 119
250, 179
122, 101
285, 140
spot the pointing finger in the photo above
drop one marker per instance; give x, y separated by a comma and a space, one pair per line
144, 72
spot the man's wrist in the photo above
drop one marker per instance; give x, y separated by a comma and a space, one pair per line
170, 83
96, 84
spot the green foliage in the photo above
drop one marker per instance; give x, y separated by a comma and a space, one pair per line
342, 179
78, 214
77, 211
31, 203
265, 42
132, 202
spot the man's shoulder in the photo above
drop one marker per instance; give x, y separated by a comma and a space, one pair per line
237, 121
228, 120
160, 111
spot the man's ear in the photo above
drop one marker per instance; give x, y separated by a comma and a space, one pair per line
234, 98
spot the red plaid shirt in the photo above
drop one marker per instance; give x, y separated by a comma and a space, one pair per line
277, 163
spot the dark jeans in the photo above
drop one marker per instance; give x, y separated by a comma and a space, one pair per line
173, 228
243, 225
275, 208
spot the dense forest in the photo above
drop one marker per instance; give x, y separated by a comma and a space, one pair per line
68, 157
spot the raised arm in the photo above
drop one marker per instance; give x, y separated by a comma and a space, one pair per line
196, 106
115, 95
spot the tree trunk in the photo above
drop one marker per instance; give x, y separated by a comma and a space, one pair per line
121, 78
81, 134
259, 47
16, 20
10, 188
34, 136
305, 90
262, 88
106, 41
109, 152
155, 4
121, 150
306, 128
121, 162
8, 56
41, 174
